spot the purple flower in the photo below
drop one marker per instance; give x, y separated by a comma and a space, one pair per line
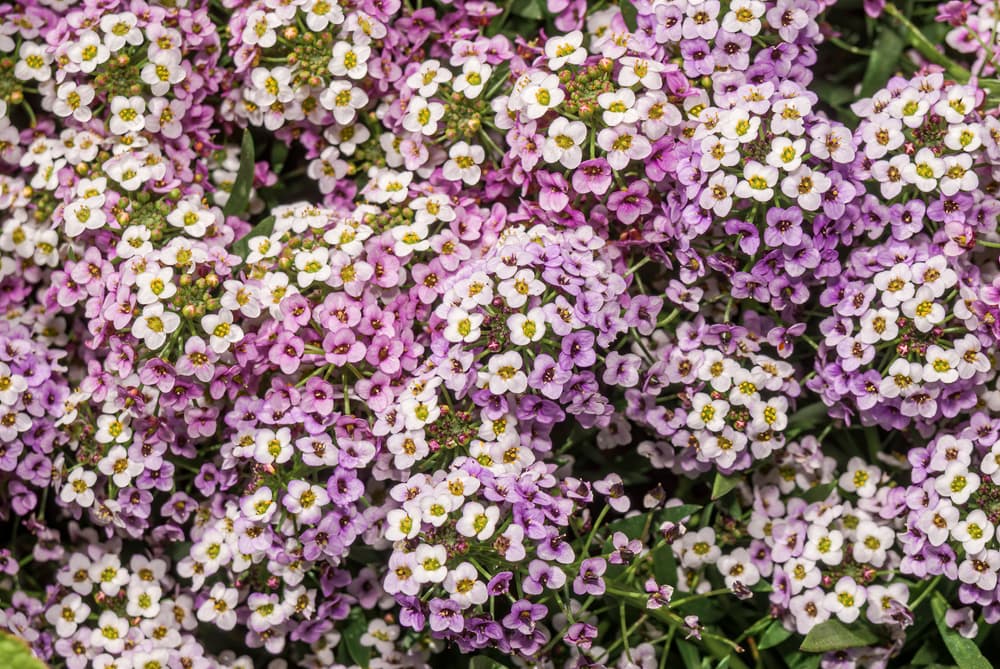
588, 580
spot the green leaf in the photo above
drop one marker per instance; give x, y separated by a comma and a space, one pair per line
965, 651
883, 62
241, 246
689, 654
723, 484
357, 625
835, 635
485, 662
630, 13
773, 635
819, 493
239, 196
16, 654
806, 418
675, 514
664, 565
797, 660
529, 9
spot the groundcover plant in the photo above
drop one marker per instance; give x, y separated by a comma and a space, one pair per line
555, 333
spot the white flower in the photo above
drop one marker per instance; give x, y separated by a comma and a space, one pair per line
220, 607
846, 599
707, 413
431, 564
478, 521
938, 522
879, 325
260, 28
428, 77
33, 63
381, 636
464, 586
154, 324
344, 100
121, 29
974, 532
717, 195
824, 545
163, 71
618, 106
112, 429
74, 100
79, 216
860, 478
127, 114
411, 238
923, 310
67, 614
980, 570
119, 467
959, 103
110, 633
463, 163
504, 374
743, 17
221, 330
623, 143
958, 174
312, 266
895, 285
971, 358
935, 274
881, 135
881, 598
833, 142
87, 53
542, 95
941, 365
872, 542
758, 182
527, 328
641, 71
349, 60
806, 187
473, 78
462, 326
699, 548
910, 107
422, 116
563, 143
155, 284
565, 49
963, 137
786, 153
78, 488
957, 483
737, 567
924, 171
739, 125
902, 379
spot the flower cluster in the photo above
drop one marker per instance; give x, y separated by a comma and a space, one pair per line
362, 334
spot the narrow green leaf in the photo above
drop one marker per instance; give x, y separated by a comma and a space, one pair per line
723, 484
356, 627
16, 654
665, 565
964, 651
807, 418
819, 493
630, 13
529, 9
239, 196
689, 655
884, 61
773, 635
675, 514
835, 635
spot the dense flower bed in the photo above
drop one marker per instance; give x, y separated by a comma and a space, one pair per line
563, 334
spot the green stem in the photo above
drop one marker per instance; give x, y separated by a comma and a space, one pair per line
926, 48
